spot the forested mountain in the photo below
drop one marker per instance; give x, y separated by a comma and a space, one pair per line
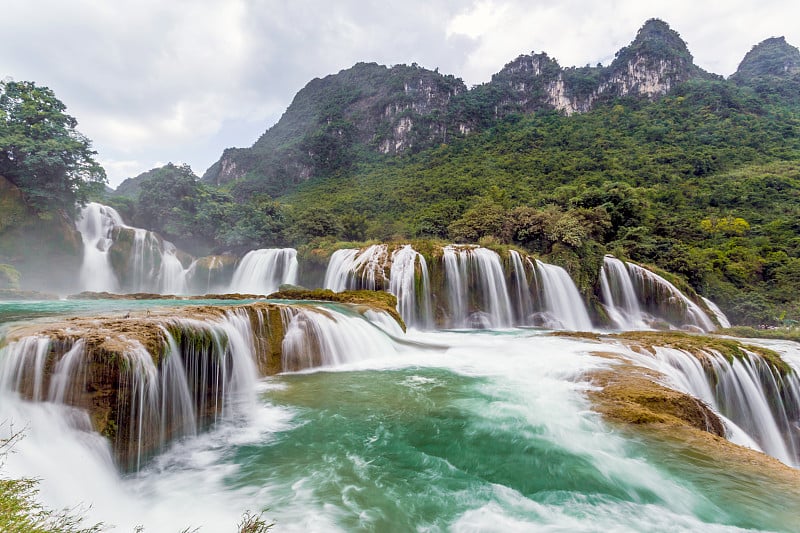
649, 158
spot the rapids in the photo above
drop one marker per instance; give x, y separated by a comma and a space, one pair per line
432, 431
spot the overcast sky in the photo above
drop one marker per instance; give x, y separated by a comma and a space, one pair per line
152, 81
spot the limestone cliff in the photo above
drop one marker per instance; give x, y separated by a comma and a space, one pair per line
653, 64
388, 110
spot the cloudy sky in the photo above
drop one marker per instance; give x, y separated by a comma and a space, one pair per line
152, 81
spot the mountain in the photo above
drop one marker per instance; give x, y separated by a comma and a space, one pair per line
367, 107
771, 57
654, 63
370, 110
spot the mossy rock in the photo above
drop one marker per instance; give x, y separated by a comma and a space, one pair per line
629, 394
697, 345
380, 300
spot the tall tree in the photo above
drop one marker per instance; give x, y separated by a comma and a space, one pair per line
41, 152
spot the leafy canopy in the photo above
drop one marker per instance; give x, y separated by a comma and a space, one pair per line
41, 152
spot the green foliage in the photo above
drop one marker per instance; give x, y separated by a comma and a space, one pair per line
41, 152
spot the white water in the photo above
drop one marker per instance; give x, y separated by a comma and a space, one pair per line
319, 337
523, 289
760, 407
351, 269
153, 266
563, 305
476, 288
664, 298
96, 225
536, 395
416, 311
718, 314
619, 296
264, 271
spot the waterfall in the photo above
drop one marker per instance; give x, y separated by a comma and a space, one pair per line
173, 278
320, 337
662, 299
562, 303
407, 278
96, 224
144, 261
619, 295
476, 286
153, 264
717, 312
206, 372
759, 406
413, 300
264, 271
524, 303
352, 269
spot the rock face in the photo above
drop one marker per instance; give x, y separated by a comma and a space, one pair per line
369, 106
32, 244
146, 379
771, 57
655, 62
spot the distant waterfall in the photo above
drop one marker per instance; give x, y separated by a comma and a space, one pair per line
662, 299
96, 225
152, 263
636, 298
619, 295
718, 314
476, 286
352, 269
562, 303
524, 303
413, 299
760, 407
264, 271
403, 273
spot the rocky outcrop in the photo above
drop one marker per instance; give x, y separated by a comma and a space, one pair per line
653, 64
388, 110
771, 57
149, 377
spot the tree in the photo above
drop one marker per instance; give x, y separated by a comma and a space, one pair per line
41, 152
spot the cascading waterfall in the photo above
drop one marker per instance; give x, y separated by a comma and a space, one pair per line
718, 314
759, 405
96, 225
264, 271
153, 265
562, 303
413, 300
478, 295
662, 299
207, 371
352, 269
320, 337
629, 289
619, 295
524, 302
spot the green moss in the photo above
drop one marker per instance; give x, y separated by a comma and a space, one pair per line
381, 300
697, 344
789, 334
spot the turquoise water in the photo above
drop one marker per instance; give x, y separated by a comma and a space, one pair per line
478, 431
